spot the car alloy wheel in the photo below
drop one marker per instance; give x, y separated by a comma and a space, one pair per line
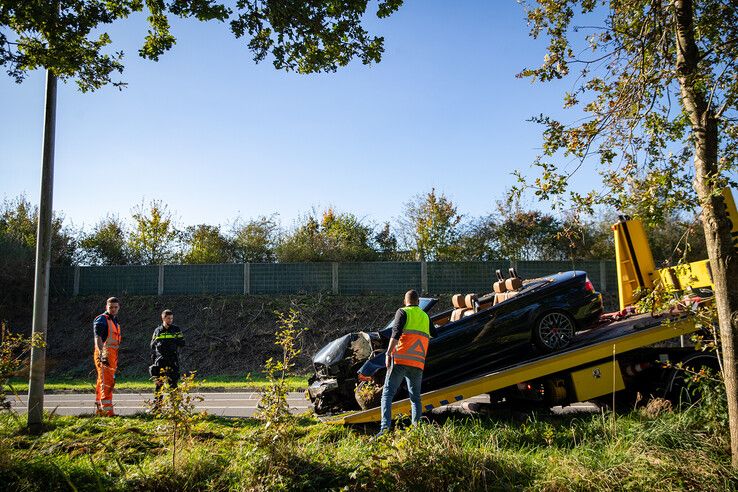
554, 331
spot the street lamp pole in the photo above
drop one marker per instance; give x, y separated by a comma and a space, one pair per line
43, 262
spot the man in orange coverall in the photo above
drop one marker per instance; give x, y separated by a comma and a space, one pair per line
107, 342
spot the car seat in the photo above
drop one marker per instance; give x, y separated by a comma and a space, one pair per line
459, 307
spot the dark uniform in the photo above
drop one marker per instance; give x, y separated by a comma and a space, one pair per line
165, 344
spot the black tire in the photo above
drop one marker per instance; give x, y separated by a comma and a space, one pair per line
678, 389
553, 331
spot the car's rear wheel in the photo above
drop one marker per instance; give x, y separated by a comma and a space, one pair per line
553, 331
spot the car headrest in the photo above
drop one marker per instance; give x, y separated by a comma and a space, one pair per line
458, 301
469, 300
513, 283
499, 287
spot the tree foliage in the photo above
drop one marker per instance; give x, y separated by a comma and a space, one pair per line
205, 244
431, 226
255, 240
71, 39
152, 239
336, 237
105, 244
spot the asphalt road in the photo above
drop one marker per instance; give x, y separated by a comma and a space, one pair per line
236, 404
230, 404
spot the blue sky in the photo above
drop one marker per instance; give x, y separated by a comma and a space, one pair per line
216, 136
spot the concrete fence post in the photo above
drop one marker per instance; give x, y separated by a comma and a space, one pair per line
160, 287
75, 289
603, 276
423, 277
247, 278
334, 277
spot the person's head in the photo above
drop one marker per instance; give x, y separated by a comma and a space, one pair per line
112, 306
411, 298
167, 317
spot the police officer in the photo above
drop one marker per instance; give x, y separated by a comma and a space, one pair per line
165, 344
405, 359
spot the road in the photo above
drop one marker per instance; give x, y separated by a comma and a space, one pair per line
228, 404
231, 404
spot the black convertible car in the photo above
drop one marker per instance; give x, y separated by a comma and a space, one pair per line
519, 319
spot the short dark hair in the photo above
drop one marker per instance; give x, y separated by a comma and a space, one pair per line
112, 300
167, 312
411, 297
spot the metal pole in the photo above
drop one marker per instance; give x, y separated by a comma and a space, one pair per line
43, 261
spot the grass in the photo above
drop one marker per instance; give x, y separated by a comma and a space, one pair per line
251, 382
672, 451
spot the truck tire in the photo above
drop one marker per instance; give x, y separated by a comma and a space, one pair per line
677, 385
553, 331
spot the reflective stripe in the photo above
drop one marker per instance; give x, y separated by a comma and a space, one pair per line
409, 357
416, 332
164, 336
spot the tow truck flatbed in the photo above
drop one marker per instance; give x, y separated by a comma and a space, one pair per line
603, 342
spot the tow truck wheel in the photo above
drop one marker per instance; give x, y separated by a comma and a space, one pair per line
553, 331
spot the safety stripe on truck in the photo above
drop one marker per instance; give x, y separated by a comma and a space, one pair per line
531, 370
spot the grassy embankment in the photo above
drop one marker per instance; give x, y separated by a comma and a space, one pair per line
672, 451
250, 382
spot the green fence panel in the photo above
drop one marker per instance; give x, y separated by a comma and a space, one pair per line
119, 280
535, 269
385, 277
203, 279
61, 281
290, 278
463, 277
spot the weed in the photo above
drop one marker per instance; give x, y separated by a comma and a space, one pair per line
273, 406
14, 351
176, 405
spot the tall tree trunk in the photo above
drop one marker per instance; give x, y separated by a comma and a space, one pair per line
715, 220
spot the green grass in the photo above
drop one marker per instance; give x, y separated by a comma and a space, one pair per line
674, 451
254, 382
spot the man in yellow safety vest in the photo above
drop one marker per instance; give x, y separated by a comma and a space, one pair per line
405, 360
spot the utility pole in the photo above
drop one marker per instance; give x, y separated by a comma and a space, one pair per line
43, 262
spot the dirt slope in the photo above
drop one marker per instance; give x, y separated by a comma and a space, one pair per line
224, 334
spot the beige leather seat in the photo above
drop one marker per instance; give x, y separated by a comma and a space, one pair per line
499, 288
459, 307
472, 304
505, 289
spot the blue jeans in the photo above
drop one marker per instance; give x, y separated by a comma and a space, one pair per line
395, 374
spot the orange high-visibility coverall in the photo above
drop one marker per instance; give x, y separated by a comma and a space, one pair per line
106, 373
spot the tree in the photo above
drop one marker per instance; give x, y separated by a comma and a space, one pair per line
430, 226
18, 222
346, 237
106, 244
337, 237
205, 244
255, 241
153, 238
69, 38
386, 242
658, 91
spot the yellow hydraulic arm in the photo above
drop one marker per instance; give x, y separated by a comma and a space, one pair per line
637, 271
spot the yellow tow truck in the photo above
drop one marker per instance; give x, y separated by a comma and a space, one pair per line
626, 352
